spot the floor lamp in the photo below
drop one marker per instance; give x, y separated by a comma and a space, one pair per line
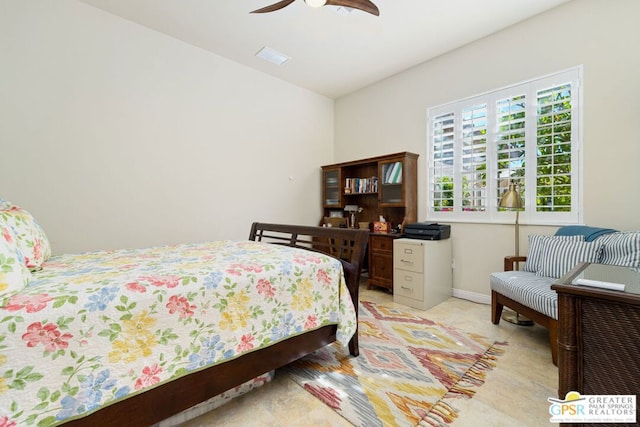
511, 200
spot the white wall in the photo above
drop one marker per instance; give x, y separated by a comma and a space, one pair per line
114, 135
390, 116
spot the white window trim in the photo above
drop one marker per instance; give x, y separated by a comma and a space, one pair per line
528, 215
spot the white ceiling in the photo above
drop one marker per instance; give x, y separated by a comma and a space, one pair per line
331, 53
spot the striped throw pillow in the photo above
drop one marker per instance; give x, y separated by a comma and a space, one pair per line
560, 256
622, 248
534, 253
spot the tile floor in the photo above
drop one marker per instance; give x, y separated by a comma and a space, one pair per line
515, 392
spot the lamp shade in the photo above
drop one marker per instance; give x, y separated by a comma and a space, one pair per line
511, 198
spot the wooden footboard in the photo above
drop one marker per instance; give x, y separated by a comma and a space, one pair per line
150, 407
347, 244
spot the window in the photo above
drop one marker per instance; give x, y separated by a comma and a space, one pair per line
527, 134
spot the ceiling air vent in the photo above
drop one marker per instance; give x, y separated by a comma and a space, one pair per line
272, 56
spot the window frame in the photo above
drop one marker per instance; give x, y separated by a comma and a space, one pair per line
492, 214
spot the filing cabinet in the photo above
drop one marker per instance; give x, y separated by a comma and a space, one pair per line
422, 273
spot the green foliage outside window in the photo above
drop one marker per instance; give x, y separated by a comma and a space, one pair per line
553, 172
443, 194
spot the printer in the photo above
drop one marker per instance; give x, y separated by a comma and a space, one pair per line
427, 231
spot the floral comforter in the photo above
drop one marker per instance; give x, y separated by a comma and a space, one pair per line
94, 328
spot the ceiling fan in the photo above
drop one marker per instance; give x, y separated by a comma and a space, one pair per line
364, 5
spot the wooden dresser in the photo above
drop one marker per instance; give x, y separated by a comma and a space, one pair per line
381, 260
599, 333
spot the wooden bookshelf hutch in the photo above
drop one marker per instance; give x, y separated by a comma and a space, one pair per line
381, 186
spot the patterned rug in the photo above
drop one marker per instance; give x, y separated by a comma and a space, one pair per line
410, 370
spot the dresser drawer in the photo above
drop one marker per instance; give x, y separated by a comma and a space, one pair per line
381, 243
409, 257
408, 284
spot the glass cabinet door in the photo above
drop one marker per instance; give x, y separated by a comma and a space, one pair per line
391, 183
331, 188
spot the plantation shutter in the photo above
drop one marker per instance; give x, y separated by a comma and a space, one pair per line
441, 162
474, 158
554, 148
527, 134
510, 143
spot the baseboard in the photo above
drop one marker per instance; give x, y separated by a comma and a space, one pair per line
472, 296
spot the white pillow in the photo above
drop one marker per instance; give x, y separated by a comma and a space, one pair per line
622, 248
14, 274
560, 256
534, 253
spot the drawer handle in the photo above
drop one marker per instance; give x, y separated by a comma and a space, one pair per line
406, 261
406, 289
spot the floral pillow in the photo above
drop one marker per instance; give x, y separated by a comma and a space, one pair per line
14, 274
5, 204
30, 237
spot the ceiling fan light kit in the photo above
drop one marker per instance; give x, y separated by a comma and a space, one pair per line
363, 5
316, 3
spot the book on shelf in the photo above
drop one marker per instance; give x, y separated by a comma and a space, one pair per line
361, 185
393, 173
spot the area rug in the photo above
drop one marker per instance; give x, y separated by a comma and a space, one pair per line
410, 370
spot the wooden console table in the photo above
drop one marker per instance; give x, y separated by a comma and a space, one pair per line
599, 333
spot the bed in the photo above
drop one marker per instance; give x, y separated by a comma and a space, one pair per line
132, 337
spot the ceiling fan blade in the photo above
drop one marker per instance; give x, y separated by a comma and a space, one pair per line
364, 5
274, 7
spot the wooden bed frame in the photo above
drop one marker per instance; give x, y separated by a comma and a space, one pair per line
155, 405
